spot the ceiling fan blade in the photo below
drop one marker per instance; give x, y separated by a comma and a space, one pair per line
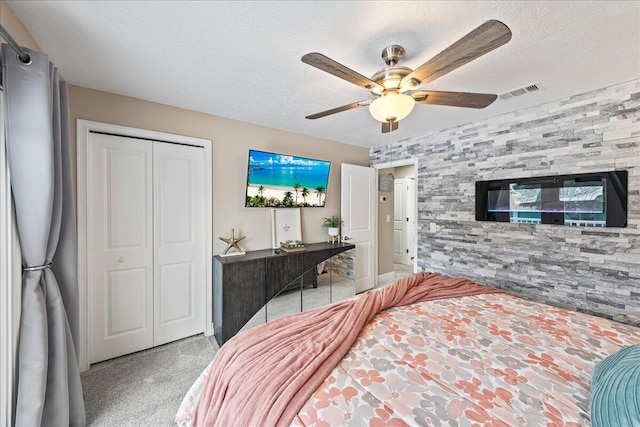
455, 99
389, 126
330, 66
488, 36
339, 109
418, 96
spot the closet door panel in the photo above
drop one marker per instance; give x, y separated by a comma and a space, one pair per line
120, 244
179, 264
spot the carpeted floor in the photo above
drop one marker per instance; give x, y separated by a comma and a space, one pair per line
400, 271
144, 389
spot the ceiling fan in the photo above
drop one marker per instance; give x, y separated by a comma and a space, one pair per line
394, 87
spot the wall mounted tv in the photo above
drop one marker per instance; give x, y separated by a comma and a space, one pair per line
282, 181
590, 200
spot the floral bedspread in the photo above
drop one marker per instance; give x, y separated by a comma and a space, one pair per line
487, 360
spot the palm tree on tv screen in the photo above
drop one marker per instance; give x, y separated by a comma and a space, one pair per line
305, 193
288, 199
320, 190
296, 187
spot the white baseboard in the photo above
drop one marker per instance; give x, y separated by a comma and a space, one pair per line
386, 277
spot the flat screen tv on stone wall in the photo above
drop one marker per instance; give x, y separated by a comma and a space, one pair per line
589, 200
282, 181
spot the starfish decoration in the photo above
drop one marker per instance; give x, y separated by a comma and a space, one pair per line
232, 242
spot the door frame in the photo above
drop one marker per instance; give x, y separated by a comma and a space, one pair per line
83, 128
394, 164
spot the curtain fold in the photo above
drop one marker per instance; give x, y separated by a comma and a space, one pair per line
38, 153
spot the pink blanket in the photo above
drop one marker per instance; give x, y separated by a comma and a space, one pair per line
262, 377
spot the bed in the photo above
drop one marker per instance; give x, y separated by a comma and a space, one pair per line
430, 350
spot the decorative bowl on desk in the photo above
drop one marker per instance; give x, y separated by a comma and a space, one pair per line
292, 246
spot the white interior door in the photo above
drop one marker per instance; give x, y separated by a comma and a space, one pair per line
358, 211
411, 215
400, 220
179, 241
120, 246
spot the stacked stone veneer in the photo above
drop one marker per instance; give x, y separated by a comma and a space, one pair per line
344, 263
594, 270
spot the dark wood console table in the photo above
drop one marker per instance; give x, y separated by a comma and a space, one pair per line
243, 284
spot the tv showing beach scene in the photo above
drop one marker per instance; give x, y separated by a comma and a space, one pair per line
279, 180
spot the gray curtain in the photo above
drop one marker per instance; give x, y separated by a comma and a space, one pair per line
38, 151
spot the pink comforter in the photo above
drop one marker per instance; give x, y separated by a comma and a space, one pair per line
263, 376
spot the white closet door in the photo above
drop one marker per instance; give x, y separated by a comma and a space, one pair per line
120, 246
179, 241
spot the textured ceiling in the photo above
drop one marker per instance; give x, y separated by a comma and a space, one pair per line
241, 60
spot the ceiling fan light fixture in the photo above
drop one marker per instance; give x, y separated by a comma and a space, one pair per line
377, 90
392, 106
409, 85
391, 83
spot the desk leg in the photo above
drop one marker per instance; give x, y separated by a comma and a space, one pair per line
266, 302
330, 280
301, 290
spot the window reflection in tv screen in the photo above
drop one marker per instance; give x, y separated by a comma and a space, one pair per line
525, 203
584, 203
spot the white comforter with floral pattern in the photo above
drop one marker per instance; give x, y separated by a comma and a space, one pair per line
486, 360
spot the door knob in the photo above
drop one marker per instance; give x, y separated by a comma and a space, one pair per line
345, 238
121, 259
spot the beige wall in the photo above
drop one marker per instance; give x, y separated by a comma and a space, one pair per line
12, 24
231, 142
404, 171
385, 229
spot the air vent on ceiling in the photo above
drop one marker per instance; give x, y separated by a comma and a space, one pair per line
533, 87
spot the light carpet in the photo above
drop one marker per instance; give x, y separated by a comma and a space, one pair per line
144, 388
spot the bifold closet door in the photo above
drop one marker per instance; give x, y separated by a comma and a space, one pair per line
179, 241
120, 245
146, 242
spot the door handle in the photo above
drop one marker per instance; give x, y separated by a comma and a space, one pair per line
345, 238
121, 259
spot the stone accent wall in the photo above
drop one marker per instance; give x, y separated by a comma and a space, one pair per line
344, 264
593, 270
